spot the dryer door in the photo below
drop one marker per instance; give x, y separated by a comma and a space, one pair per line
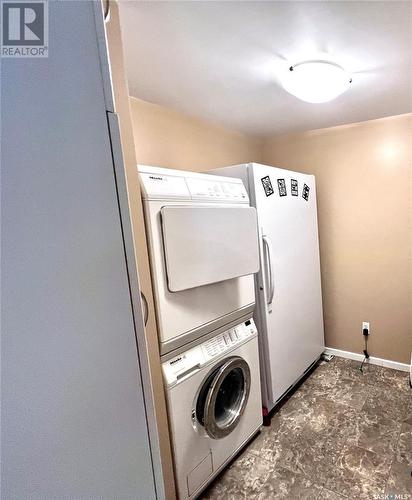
223, 397
207, 244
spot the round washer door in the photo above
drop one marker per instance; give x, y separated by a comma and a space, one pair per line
223, 397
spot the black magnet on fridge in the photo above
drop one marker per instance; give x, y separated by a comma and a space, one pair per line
267, 185
282, 187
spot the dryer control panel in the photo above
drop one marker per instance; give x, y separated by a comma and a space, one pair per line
167, 184
183, 365
201, 189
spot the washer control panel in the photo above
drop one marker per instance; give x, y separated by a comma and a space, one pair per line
183, 365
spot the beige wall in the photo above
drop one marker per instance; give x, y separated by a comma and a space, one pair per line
364, 183
166, 138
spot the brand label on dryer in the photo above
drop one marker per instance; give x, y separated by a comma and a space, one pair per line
163, 186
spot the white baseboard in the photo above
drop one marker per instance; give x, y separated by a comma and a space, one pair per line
395, 365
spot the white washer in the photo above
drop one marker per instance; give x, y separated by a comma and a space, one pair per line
203, 249
214, 404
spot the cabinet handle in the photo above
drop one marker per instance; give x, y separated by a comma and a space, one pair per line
145, 308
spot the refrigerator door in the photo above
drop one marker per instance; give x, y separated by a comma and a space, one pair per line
288, 284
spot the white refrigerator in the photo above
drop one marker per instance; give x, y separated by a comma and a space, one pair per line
288, 310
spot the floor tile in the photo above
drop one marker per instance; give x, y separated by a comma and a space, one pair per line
327, 414
404, 448
388, 403
351, 369
359, 473
375, 433
255, 445
284, 484
387, 378
245, 478
317, 453
400, 477
400, 481
341, 381
330, 495
348, 391
324, 375
408, 418
280, 447
295, 413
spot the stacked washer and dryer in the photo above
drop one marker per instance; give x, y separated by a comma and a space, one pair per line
203, 248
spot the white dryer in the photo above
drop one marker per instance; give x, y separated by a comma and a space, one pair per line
214, 404
203, 250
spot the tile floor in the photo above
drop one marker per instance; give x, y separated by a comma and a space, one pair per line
341, 434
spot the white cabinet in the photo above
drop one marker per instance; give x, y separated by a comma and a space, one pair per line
74, 423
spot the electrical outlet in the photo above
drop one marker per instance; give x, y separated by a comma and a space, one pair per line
365, 326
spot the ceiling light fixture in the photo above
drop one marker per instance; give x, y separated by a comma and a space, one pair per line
316, 81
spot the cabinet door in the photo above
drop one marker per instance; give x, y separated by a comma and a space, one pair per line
74, 423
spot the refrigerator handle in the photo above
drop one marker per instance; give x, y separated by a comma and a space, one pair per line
269, 253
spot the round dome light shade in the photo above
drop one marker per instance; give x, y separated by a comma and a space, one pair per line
316, 81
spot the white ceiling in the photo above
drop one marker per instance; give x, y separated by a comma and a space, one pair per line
220, 61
